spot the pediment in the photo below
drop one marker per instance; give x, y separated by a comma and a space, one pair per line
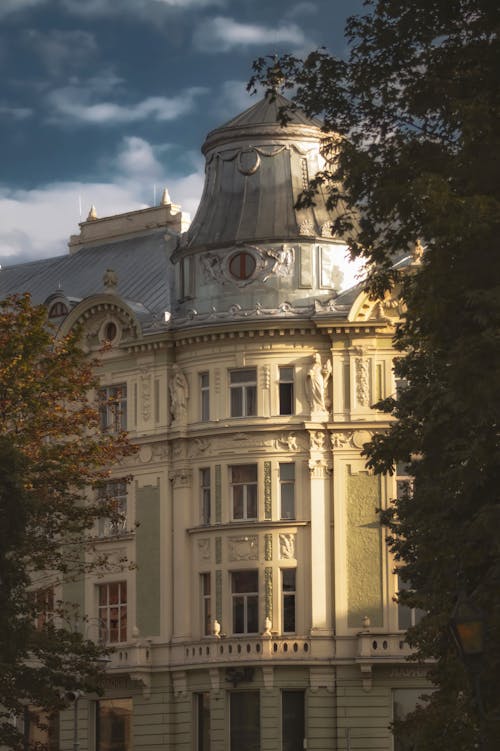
388, 310
105, 320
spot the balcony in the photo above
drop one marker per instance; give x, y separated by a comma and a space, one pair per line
379, 649
249, 649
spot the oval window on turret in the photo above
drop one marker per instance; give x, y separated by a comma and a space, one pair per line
242, 265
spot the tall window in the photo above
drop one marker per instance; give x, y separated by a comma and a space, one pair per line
286, 391
243, 392
204, 397
114, 725
116, 492
41, 730
112, 611
288, 591
244, 718
244, 491
44, 605
245, 596
407, 617
205, 495
113, 408
287, 491
292, 720
206, 604
202, 721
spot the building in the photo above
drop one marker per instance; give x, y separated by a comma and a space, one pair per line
260, 614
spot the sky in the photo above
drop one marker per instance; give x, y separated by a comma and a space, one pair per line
106, 102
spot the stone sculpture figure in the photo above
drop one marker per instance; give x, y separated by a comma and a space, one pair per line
179, 394
318, 377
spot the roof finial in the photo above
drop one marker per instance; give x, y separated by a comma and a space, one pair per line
417, 253
92, 216
165, 199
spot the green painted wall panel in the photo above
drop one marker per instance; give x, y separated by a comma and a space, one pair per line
148, 560
364, 549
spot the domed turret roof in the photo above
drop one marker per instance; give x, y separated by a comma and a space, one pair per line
256, 170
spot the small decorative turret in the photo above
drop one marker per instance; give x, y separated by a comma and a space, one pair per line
165, 199
92, 215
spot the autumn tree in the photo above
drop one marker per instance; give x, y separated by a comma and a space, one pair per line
412, 154
52, 453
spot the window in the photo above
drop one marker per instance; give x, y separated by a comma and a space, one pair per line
114, 725
245, 596
206, 605
287, 491
242, 265
243, 392
205, 495
244, 718
405, 701
403, 480
113, 611
292, 720
407, 617
286, 391
44, 605
58, 309
244, 491
202, 721
288, 589
113, 408
114, 492
204, 397
41, 730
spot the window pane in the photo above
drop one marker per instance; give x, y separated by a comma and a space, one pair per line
251, 394
292, 720
236, 403
238, 506
245, 721
251, 501
243, 376
287, 471
114, 722
252, 614
202, 716
244, 473
239, 615
245, 581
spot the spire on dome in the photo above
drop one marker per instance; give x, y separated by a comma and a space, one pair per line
92, 215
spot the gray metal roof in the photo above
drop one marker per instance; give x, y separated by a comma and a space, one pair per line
140, 263
255, 172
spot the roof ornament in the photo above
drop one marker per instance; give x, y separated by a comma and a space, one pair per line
165, 199
110, 281
92, 215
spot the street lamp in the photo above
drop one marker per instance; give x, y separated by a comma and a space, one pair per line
467, 626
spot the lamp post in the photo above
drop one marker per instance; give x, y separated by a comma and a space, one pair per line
467, 624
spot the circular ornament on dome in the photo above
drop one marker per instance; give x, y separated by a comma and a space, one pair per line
248, 162
242, 265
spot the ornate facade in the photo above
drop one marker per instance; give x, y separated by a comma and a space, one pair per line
259, 613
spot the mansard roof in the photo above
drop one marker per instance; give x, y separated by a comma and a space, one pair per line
140, 263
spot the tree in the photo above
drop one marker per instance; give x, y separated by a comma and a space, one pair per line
412, 153
51, 452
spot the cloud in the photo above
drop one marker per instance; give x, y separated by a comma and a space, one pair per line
8, 7
14, 113
301, 9
73, 104
231, 99
145, 9
37, 223
62, 50
222, 34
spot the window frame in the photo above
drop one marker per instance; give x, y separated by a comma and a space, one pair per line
286, 390
286, 595
287, 483
112, 403
206, 602
204, 380
249, 600
246, 493
107, 527
105, 611
245, 391
205, 496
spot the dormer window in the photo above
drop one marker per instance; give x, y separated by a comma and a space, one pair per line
58, 309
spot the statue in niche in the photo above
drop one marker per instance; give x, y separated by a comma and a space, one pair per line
179, 394
318, 377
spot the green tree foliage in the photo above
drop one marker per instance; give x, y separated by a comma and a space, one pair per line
415, 112
51, 452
